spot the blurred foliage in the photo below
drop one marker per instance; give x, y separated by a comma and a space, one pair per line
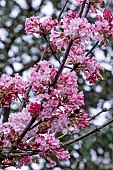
18, 52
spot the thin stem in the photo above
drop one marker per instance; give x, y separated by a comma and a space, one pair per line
18, 97
92, 49
25, 153
45, 51
87, 134
36, 124
62, 64
103, 110
62, 10
14, 146
87, 10
25, 98
53, 53
82, 8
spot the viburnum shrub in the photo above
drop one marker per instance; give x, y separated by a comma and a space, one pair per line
57, 104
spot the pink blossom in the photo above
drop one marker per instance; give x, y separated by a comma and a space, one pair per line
91, 69
107, 14
35, 25
94, 6
73, 28
49, 144
79, 119
34, 109
25, 160
42, 79
20, 120
62, 154
10, 87
103, 28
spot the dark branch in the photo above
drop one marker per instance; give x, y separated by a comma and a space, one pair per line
103, 110
62, 10
92, 48
15, 145
82, 8
87, 10
62, 64
87, 134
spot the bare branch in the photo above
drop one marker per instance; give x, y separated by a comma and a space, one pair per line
82, 8
103, 110
62, 64
62, 10
87, 134
87, 10
92, 49
14, 146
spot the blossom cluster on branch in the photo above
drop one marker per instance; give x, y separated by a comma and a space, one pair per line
58, 103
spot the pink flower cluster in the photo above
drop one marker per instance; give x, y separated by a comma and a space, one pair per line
15, 125
61, 101
103, 28
10, 87
71, 27
43, 78
49, 145
91, 70
35, 25
94, 4
34, 109
57, 100
89, 66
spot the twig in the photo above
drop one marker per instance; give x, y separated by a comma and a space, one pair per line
82, 8
92, 49
62, 64
103, 110
87, 10
62, 10
53, 53
14, 145
87, 134
35, 125
24, 99
25, 153
18, 97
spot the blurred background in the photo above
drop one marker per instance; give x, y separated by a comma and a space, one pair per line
19, 52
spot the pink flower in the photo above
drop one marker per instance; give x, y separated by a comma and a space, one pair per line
25, 160
107, 14
34, 109
49, 144
94, 6
10, 87
35, 25
71, 27
62, 155
91, 69
103, 28
20, 120
42, 79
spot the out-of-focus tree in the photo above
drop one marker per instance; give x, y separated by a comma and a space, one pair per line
18, 52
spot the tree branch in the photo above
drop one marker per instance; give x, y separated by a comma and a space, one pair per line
103, 110
62, 64
15, 144
87, 134
62, 10
82, 8
87, 10
53, 53
92, 49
